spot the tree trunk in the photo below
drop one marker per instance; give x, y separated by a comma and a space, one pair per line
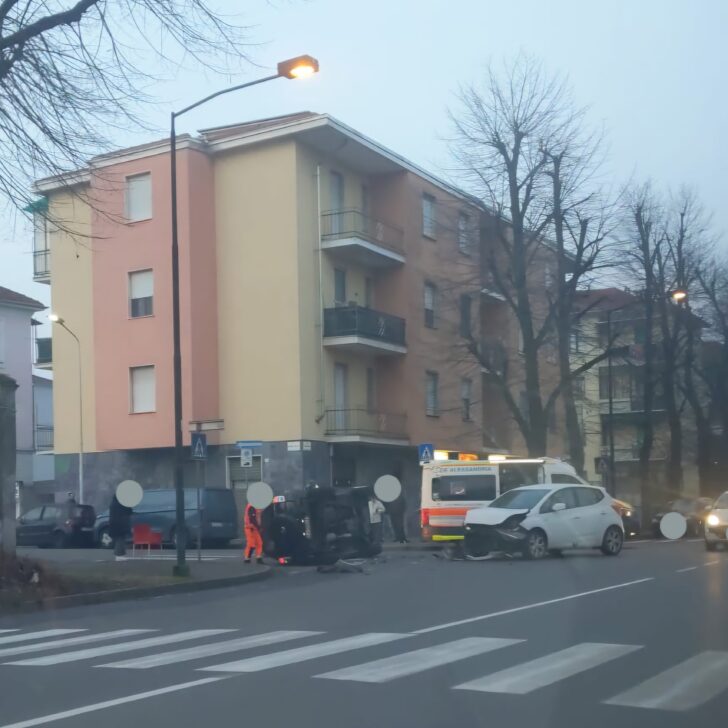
7, 465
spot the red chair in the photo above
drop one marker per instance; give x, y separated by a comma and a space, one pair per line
143, 535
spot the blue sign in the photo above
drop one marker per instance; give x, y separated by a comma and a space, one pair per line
426, 453
199, 445
248, 444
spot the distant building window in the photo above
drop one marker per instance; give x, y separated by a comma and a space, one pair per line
371, 390
138, 197
464, 233
432, 397
466, 305
141, 293
340, 286
466, 398
578, 386
428, 216
143, 389
430, 303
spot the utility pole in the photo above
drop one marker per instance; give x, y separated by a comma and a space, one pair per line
7, 465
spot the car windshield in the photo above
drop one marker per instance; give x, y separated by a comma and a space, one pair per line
520, 498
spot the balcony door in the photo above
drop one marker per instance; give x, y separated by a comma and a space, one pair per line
341, 396
336, 202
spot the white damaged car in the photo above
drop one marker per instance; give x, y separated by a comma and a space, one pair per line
536, 520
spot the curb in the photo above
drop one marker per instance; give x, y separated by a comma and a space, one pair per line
137, 592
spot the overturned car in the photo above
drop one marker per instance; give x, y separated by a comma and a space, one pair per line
535, 520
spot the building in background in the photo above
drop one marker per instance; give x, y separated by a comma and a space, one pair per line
34, 468
315, 265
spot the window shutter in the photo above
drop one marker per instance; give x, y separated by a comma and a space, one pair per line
143, 393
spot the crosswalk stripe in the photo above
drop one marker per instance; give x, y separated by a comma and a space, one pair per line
3, 631
301, 654
119, 647
37, 635
217, 648
543, 671
684, 686
71, 641
410, 663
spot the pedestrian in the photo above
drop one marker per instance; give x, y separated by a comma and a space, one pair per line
396, 512
119, 527
376, 508
253, 535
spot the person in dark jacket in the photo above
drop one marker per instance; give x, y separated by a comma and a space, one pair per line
119, 527
396, 511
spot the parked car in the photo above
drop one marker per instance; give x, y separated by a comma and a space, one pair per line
158, 510
536, 520
695, 511
630, 518
716, 524
57, 525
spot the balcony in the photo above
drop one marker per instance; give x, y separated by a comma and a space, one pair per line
44, 437
630, 405
361, 239
42, 265
353, 424
364, 330
44, 352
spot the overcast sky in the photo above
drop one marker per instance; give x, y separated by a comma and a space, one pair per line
652, 71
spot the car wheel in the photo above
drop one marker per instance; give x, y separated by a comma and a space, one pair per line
104, 540
612, 541
710, 546
536, 545
58, 540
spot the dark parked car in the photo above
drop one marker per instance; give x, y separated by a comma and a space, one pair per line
157, 509
57, 525
695, 511
630, 518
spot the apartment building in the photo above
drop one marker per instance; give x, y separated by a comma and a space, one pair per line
313, 264
618, 314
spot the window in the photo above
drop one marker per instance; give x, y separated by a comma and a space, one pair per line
32, 515
428, 216
464, 488
588, 496
466, 396
138, 197
564, 478
432, 405
365, 203
465, 311
567, 496
621, 382
464, 233
578, 386
430, 299
368, 292
141, 382
371, 390
141, 293
519, 499
51, 513
40, 232
340, 286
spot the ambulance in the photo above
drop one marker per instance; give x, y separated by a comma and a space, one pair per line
451, 487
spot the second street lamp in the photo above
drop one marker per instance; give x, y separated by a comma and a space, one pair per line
298, 67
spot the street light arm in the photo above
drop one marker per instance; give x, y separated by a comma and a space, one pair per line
63, 324
175, 114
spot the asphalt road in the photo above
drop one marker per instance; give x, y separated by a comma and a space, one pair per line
641, 639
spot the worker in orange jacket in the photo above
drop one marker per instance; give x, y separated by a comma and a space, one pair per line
253, 535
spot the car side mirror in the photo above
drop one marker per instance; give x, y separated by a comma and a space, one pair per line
558, 507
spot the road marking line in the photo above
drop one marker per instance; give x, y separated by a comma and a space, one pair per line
119, 647
37, 635
217, 648
469, 620
711, 563
628, 542
4, 631
410, 663
543, 671
70, 641
110, 703
301, 654
687, 568
685, 686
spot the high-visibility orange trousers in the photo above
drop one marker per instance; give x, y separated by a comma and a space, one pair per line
253, 542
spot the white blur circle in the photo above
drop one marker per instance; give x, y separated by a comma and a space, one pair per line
673, 525
260, 495
387, 488
129, 493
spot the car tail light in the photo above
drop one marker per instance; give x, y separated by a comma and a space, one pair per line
425, 517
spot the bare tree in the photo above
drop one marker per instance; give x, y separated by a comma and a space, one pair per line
72, 73
520, 145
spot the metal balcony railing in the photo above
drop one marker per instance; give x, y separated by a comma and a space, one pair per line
44, 350
41, 263
360, 421
44, 437
336, 224
366, 322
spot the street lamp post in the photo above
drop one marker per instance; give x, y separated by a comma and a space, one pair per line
299, 67
56, 319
